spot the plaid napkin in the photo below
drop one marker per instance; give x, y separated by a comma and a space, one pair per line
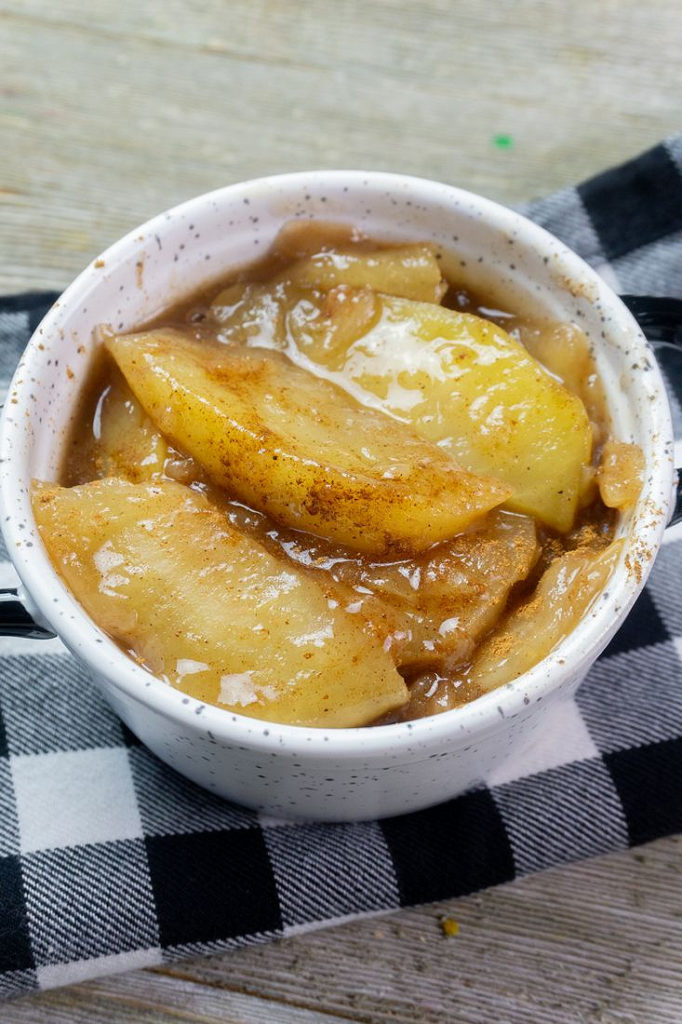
109, 860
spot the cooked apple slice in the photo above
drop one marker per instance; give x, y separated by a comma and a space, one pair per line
273, 316
562, 597
255, 310
465, 384
253, 313
128, 443
458, 591
125, 443
565, 351
208, 609
428, 611
621, 473
121, 441
299, 448
431, 694
411, 271
299, 238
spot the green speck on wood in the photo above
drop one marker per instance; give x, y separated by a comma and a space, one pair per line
503, 141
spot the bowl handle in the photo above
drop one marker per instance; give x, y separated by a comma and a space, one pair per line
15, 620
661, 321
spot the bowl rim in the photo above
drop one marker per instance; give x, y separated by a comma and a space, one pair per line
485, 714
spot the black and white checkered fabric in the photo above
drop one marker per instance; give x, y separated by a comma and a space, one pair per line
109, 860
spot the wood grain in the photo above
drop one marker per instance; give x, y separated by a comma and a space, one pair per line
113, 111
110, 112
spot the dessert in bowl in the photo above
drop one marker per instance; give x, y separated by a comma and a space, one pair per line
306, 760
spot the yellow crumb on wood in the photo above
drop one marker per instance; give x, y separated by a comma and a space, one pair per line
449, 926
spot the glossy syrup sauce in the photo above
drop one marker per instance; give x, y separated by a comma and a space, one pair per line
429, 611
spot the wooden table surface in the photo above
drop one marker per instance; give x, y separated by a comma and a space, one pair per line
111, 111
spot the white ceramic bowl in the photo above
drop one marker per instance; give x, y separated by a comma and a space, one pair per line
344, 774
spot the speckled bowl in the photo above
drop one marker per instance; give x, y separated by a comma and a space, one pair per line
346, 774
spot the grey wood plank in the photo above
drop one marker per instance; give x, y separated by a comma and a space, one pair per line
151, 1000
106, 120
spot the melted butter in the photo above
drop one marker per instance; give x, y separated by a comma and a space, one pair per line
238, 689
189, 667
316, 638
107, 560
